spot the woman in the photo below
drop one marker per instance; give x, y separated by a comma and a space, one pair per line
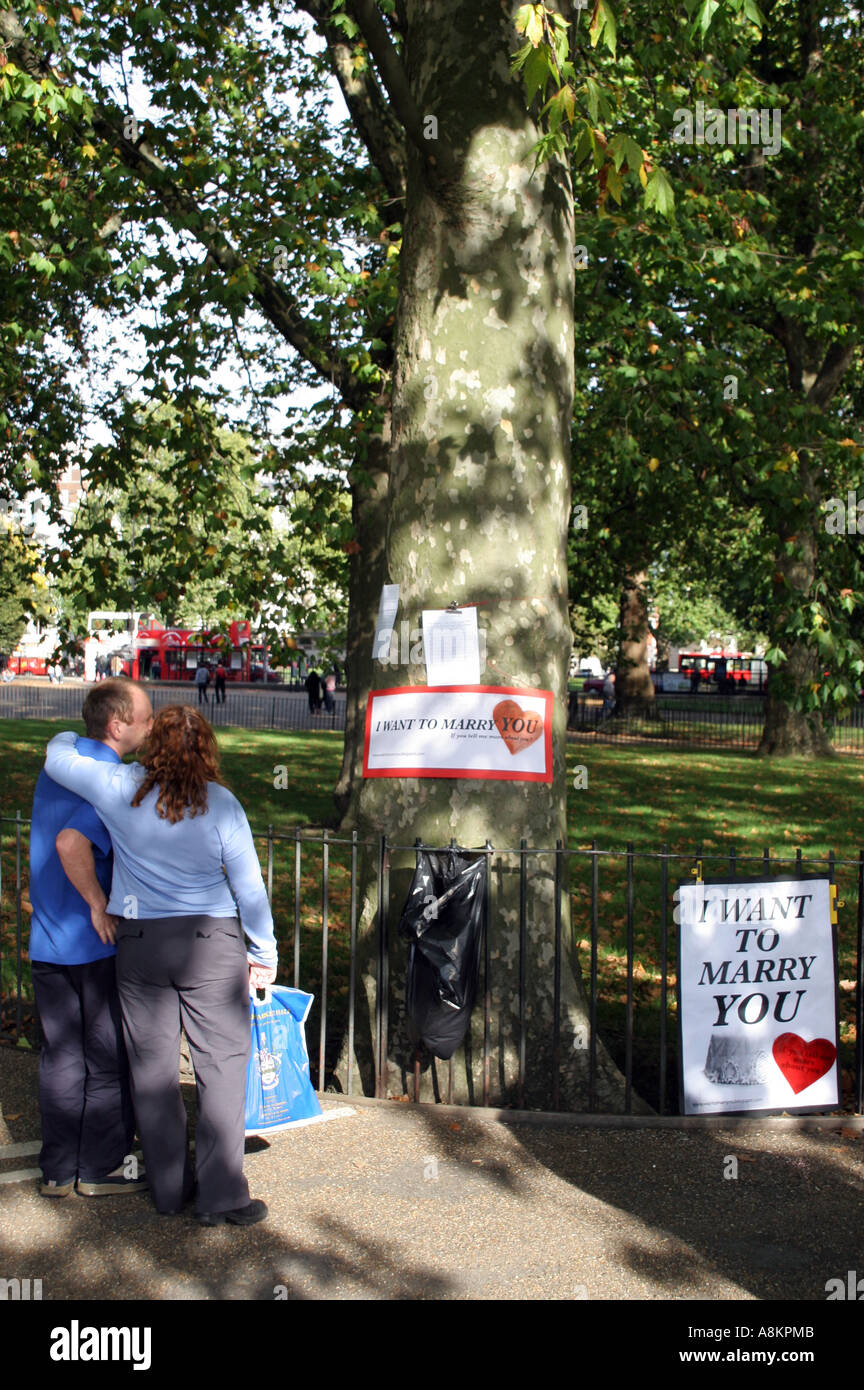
182, 847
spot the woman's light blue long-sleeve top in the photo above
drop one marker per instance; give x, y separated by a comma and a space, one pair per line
171, 870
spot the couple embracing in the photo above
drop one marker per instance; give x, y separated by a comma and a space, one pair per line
123, 954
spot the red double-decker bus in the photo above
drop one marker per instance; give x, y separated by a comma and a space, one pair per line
174, 653
743, 670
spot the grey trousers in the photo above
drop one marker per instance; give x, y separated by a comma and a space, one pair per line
191, 971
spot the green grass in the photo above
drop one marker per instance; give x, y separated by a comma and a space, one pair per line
722, 799
642, 795
634, 793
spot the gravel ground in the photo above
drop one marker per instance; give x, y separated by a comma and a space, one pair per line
404, 1202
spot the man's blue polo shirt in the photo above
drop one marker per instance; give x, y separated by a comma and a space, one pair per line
61, 931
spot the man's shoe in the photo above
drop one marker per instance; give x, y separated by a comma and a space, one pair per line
240, 1216
113, 1185
49, 1187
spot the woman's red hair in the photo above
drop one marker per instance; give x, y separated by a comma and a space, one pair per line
181, 756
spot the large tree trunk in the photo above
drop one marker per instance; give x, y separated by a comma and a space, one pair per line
479, 505
634, 688
367, 572
787, 728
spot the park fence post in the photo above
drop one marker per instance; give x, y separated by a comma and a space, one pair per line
859, 993
297, 857
628, 1017
664, 949
523, 939
325, 895
352, 962
556, 1020
592, 992
19, 948
379, 974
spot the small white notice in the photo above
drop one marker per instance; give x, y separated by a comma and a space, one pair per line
451, 646
387, 608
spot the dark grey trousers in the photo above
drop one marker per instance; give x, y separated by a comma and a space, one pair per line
87, 1124
191, 971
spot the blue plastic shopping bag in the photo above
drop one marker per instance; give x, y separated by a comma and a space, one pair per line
278, 1089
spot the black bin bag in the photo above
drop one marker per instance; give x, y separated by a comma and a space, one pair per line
443, 920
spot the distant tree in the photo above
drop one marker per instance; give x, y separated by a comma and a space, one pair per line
146, 536
23, 592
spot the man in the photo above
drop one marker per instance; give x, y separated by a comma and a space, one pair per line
221, 677
313, 688
202, 680
84, 1095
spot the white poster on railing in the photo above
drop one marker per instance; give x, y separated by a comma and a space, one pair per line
498, 733
757, 994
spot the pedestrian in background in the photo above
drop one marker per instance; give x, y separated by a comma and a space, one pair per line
608, 695
221, 675
202, 680
329, 692
313, 686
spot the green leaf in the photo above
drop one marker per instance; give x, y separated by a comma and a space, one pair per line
614, 184
517, 62
593, 95
706, 13
752, 11
537, 73
523, 18
604, 26
659, 194
534, 27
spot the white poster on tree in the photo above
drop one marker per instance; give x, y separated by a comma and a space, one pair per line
757, 994
499, 733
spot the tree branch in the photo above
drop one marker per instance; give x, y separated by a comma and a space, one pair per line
834, 366
277, 305
373, 119
436, 154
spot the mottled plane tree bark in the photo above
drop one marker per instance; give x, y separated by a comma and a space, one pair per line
479, 495
634, 689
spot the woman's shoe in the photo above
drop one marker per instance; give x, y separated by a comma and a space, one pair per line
240, 1216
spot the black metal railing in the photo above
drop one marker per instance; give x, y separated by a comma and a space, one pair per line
628, 957
738, 727
265, 708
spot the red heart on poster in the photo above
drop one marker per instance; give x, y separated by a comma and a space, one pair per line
803, 1063
519, 728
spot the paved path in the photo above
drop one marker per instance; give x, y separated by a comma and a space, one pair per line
394, 1201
